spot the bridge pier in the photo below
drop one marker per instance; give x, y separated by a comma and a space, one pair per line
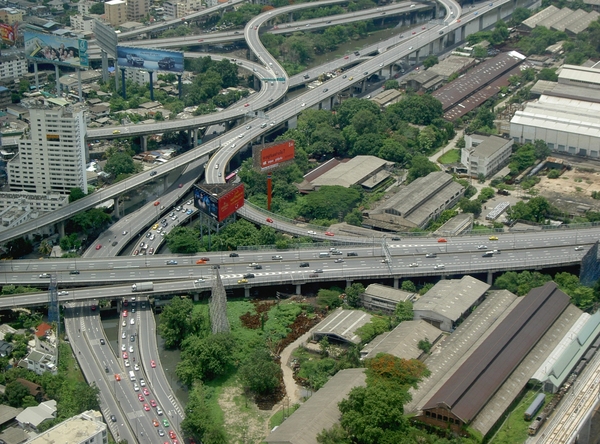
298, 289
256, 83
196, 297
349, 282
490, 277
396, 283
144, 143
246, 292
61, 228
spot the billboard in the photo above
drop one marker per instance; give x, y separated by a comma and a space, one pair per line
150, 59
56, 50
277, 153
106, 38
219, 202
7, 33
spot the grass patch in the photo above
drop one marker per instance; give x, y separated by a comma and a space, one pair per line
67, 364
514, 429
282, 415
451, 156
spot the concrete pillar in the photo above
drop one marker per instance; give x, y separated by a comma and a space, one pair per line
348, 282
37, 80
79, 85
61, 228
490, 277
298, 289
256, 82
180, 86
189, 137
396, 283
123, 92
247, 292
57, 74
144, 143
104, 66
151, 85
196, 297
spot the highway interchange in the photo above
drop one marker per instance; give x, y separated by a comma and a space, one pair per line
408, 255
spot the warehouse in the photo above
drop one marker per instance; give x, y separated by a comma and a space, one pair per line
341, 326
382, 298
449, 301
369, 169
402, 341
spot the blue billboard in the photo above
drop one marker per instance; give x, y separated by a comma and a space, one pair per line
56, 50
150, 59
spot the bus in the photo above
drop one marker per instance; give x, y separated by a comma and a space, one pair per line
231, 176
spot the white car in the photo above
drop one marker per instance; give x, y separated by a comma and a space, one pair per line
126, 363
132, 321
124, 324
413, 265
482, 247
578, 248
439, 267
142, 383
136, 367
124, 335
199, 281
312, 232
131, 349
123, 347
63, 293
136, 387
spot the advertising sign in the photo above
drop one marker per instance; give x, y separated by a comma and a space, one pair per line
56, 50
276, 154
150, 59
106, 37
231, 202
219, 206
7, 33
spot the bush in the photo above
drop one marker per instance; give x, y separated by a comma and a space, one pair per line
553, 174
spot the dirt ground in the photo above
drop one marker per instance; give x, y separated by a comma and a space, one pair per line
244, 421
572, 191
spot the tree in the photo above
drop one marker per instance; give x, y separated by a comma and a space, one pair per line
548, 74
404, 310
421, 166
553, 174
329, 298
200, 421
375, 327
183, 240
329, 202
14, 393
205, 358
45, 248
259, 373
424, 345
353, 293
420, 110
76, 194
120, 164
19, 247
486, 193
173, 322
519, 15
430, 61
348, 109
408, 286
391, 84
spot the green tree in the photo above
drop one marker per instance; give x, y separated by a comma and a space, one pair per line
553, 174
391, 84
19, 247
548, 74
420, 166
424, 345
200, 421
430, 61
519, 15
375, 327
174, 321
353, 294
329, 298
120, 164
417, 109
486, 193
409, 286
76, 194
404, 311
205, 358
45, 247
330, 202
470, 206
349, 108
14, 393
259, 373
183, 240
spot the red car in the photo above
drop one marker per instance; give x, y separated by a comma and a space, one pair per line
347, 57
125, 355
201, 40
146, 407
140, 397
136, 252
423, 27
205, 259
153, 403
172, 434
146, 391
180, 185
329, 233
154, 422
247, 104
117, 376
157, 203
93, 308
269, 220
152, 363
98, 246
414, 32
124, 313
441, 239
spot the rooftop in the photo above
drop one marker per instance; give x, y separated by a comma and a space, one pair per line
487, 146
389, 293
535, 19
342, 325
579, 74
71, 430
402, 341
572, 18
452, 297
319, 412
34, 416
573, 92
583, 23
354, 171
467, 391
560, 16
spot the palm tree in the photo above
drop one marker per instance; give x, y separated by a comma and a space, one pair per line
45, 247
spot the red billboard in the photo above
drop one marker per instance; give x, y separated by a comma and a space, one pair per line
276, 154
7, 33
230, 202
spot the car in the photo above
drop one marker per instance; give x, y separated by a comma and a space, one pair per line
124, 324
63, 293
414, 32
151, 249
152, 173
136, 252
439, 267
431, 255
329, 233
131, 338
476, 13
45, 275
141, 397
153, 403
493, 237
312, 232
152, 363
113, 418
157, 203
125, 355
98, 246
155, 226
74, 272
366, 73
206, 259
188, 212
277, 257
410, 48
413, 265
441, 239
102, 341
166, 423
304, 264
142, 245
123, 347
199, 281
171, 262
307, 25
423, 27
142, 382
458, 21
253, 264
116, 132
172, 434
339, 260
248, 127
161, 432
482, 247
155, 423
234, 255
344, 76
242, 281
303, 104
246, 105
114, 243
132, 321
117, 377
249, 275
145, 391
318, 270
258, 267
351, 253
147, 408
125, 313
356, 53
578, 248
325, 90
200, 262
131, 349
347, 57
381, 64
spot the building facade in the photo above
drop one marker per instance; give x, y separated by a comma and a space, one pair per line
12, 67
485, 154
86, 428
115, 12
137, 10
53, 158
11, 15
83, 23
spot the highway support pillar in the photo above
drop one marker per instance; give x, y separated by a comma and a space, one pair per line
490, 277
123, 91
144, 143
246, 292
61, 228
151, 85
37, 79
348, 282
57, 74
104, 56
196, 297
117, 207
180, 86
298, 289
79, 86
396, 283
583, 437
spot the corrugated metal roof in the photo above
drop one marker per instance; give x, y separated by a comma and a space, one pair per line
561, 15
582, 24
579, 74
342, 325
467, 391
532, 21
403, 341
386, 292
573, 18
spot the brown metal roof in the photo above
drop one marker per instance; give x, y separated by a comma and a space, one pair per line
468, 390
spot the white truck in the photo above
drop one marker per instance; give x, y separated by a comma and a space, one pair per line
143, 286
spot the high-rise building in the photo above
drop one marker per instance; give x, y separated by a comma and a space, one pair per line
115, 12
53, 158
137, 10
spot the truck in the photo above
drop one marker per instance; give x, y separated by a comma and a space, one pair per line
135, 60
143, 286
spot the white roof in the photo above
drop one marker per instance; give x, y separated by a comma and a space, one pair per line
38, 414
579, 74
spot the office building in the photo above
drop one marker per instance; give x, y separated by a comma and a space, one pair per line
115, 12
485, 154
53, 158
137, 10
12, 67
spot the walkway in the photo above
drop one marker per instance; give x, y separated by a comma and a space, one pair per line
292, 389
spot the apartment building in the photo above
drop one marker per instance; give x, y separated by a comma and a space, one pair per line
12, 67
115, 12
137, 10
